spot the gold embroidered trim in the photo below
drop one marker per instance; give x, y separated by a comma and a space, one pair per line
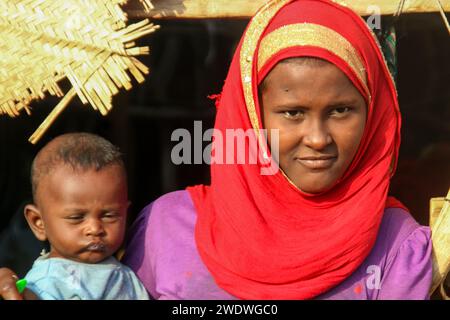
253, 34
308, 34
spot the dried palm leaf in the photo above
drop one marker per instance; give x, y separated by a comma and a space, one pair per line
86, 41
440, 230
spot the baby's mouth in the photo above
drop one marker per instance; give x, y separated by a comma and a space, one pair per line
96, 247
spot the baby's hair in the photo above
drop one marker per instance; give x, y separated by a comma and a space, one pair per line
308, 61
81, 151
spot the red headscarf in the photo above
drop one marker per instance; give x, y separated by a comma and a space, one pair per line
259, 235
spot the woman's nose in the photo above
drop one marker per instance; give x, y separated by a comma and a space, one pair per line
316, 135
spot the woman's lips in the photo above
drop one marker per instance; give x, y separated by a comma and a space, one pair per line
317, 163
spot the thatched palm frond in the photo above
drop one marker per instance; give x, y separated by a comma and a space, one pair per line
440, 230
85, 41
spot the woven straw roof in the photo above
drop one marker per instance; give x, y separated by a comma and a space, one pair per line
85, 41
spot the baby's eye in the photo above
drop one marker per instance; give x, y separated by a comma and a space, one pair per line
111, 215
75, 218
293, 114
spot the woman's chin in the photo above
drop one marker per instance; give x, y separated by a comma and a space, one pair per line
314, 187
311, 190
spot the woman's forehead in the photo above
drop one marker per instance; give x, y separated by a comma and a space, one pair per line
326, 77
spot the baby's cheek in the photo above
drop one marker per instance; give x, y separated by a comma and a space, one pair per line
116, 232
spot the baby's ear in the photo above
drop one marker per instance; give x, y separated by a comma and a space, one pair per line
34, 219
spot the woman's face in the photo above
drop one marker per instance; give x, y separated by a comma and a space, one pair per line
320, 116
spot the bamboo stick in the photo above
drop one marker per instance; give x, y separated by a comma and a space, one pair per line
201, 9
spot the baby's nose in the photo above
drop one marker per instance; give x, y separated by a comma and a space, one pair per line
95, 228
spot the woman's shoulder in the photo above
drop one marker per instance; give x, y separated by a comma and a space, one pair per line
398, 228
170, 214
163, 254
172, 207
179, 199
407, 267
399, 265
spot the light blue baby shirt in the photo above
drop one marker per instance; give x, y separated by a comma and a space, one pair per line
62, 279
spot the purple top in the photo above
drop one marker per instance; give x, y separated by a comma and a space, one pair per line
163, 253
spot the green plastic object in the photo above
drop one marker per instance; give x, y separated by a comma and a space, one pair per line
21, 284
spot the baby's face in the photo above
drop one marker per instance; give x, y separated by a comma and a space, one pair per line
84, 213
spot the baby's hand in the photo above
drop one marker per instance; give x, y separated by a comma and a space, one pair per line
8, 290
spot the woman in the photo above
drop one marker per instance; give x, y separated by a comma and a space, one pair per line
323, 226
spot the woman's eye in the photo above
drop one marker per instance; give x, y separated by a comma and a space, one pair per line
341, 111
293, 114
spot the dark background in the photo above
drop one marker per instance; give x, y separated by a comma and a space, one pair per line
189, 61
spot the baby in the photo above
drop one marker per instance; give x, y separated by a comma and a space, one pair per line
80, 207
